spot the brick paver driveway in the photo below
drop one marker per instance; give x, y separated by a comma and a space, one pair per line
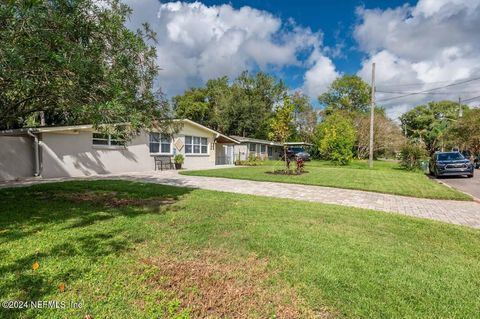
455, 212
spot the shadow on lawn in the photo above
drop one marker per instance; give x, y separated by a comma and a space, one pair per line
29, 213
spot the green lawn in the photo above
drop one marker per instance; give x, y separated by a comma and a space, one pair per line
133, 250
385, 177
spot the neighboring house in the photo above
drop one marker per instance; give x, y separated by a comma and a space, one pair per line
80, 151
256, 147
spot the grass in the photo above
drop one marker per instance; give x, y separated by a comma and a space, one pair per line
133, 250
385, 177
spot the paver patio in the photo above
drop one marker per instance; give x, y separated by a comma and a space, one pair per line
454, 212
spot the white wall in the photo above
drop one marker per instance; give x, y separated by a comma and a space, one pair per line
196, 161
243, 150
73, 154
67, 154
16, 157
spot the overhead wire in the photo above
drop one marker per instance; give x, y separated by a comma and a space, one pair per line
428, 90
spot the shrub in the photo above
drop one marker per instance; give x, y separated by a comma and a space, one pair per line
178, 159
336, 138
411, 155
300, 165
252, 160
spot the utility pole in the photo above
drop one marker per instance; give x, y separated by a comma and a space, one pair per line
460, 110
372, 118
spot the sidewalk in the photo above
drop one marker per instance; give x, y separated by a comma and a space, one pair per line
454, 212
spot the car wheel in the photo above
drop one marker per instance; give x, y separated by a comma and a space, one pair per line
470, 176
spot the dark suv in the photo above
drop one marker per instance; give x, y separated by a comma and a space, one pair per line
294, 153
450, 164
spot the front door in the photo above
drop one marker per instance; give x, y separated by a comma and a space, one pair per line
229, 155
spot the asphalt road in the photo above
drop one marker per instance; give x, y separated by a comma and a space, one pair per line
464, 184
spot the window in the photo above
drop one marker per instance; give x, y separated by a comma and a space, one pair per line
107, 139
196, 145
270, 151
263, 148
160, 143
253, 147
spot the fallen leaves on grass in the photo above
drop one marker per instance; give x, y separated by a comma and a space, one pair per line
35, 265
215, 286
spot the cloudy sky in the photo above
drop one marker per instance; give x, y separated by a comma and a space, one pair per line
417, 46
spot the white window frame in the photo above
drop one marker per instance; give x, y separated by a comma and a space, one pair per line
254, 146
264, 147
108, 138
160, 135
192, 145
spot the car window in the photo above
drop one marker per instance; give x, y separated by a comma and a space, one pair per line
449, 157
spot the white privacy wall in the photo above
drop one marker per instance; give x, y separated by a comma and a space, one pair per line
16, 157
67, 154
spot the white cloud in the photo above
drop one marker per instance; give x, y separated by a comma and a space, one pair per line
198, 42
319, 76
435, 41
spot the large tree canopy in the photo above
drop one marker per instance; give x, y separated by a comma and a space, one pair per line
242, 107
429, 123
75, 62
347, 93
465, 132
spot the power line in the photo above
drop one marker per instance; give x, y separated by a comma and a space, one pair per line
471, 99
446, 93
412, 84
425, 91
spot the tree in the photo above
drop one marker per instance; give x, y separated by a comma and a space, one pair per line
336, 138
281, 126
193, 105
347, 93
429, 123
388, 137
305, 117
75, 62
465, 132
253, 101
243, 107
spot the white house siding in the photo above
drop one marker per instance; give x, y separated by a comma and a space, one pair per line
16, 157
73, 154
196, 161
242, 151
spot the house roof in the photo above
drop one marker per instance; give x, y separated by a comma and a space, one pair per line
298, 144
242, 139
45, 129
219, 136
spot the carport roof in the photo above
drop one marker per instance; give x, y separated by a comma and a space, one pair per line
254, 140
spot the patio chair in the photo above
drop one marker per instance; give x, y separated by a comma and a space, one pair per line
163, 162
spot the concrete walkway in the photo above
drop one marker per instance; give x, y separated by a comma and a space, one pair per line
454, 212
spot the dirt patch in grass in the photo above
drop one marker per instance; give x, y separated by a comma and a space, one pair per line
111, 199
215, 286
286, 172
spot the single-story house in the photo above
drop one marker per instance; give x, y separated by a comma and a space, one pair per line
79, 150
256, 147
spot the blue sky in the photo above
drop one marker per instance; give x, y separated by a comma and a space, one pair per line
416, 45
335, 18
